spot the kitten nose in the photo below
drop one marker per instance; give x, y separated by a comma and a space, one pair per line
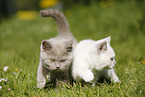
57, 67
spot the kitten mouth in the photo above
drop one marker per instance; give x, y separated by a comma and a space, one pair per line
109, 67
57, 68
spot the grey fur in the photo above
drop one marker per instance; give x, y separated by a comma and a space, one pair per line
62, 24
56, 53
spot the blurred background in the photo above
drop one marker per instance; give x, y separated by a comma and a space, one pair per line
28, 7
22, 28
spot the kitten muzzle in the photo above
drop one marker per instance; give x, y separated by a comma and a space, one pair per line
109, 67
46, 66
57, 68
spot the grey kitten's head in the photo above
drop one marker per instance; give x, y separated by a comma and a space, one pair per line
57, 53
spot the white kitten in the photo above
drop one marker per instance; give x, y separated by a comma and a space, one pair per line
93, 60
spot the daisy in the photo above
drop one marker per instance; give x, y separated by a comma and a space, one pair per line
6, 68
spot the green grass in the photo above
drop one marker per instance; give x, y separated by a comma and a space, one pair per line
124, 22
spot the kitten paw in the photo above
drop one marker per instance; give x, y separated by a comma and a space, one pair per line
41, 84
88, 77
117, 81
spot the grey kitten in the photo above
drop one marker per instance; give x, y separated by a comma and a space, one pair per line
56, 53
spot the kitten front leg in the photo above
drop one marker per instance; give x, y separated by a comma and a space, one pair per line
87, 76
113, 76
41, 74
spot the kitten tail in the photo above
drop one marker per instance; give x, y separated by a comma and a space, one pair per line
62, 24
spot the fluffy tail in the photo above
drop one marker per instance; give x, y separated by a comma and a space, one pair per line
62, 24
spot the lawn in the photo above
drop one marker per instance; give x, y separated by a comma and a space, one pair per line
124, 21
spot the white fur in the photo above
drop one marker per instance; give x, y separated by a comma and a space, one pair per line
92, 60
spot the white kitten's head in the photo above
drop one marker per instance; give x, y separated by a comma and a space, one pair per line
105, 54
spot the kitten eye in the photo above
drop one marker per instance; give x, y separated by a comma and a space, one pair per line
69, 49
52, 60
111, 59
62, 61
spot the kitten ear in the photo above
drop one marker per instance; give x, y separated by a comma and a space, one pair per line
69, 45
102, 46
46, 45
108, 39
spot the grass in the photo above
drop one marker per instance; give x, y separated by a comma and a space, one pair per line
124, 22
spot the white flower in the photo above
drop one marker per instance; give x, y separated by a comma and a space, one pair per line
2, 79
6, 68
0, 87
14, 73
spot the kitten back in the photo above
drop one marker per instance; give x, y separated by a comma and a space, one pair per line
62, 24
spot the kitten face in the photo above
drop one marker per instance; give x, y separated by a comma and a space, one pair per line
106, 55
57, 55
107, 59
